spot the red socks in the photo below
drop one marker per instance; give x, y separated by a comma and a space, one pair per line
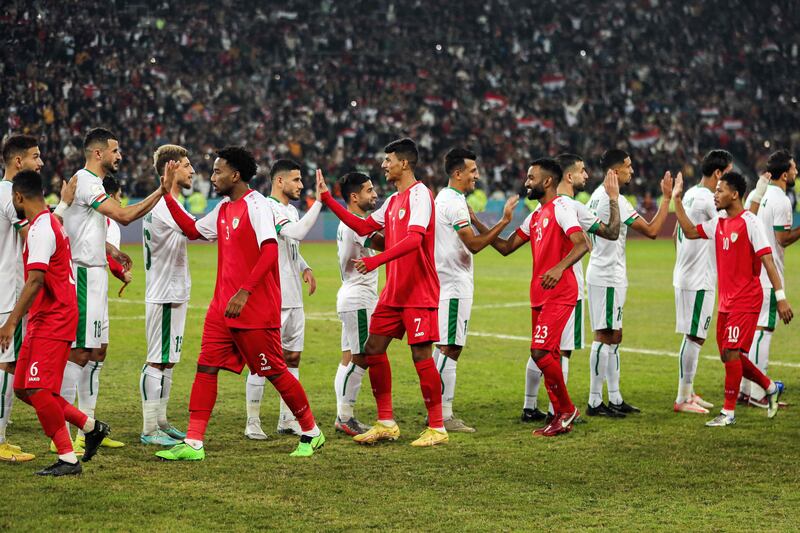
201, 403
295, 397
51, 417
380, 377
72, 414
753, 373
431, 385
733, 379
554, 382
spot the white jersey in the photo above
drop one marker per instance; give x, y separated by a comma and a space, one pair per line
166, 264
113, 235
358, 291
85, 226
607, 262
290, 262
695, 262
775, 213
10, 249
453, 258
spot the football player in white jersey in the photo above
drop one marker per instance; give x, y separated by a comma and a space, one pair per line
20, 152
607, 280
355, 300
572, 181
287, 185
168, 285
456, 242
695, 279
85, 224
775, 212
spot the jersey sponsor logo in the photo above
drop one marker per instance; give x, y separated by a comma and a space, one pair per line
401, 214
235, 223
734, 236
545, 222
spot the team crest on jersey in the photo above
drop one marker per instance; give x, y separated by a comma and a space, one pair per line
734, 236
235, 223
545, 222
401, 214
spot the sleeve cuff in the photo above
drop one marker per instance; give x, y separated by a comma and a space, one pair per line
417, 229
99, 200
594, 227
764, 251
701, 231
522, 235
631, 219
572, 230
38, 266
461, 224
781, 228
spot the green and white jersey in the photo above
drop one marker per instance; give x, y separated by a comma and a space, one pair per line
290, 262
166, 264
10, 249
86, 226
453, 259
607, 262
358, 291
695, 260
775, 213
589, 223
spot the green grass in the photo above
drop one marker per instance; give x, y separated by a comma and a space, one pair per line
658, 470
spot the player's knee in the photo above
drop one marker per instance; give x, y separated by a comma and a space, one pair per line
538, 354
452, 351
292, 359
80, 356
360, 360
202, 369
696, 340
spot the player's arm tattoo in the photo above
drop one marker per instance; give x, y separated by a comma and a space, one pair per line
610, 231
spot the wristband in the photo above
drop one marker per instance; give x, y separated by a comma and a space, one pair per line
60, 208
780, 295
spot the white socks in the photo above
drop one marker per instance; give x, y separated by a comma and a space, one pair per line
687, 368
254, 391
88, 386
286, 414
166, 388
6, 400
533, 377
598, 360
612, 374
759, 356
150, 387
347, 384
69, 385
70, 458
313, 432
436, 355
447, 372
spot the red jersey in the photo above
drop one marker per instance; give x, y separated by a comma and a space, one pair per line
240, 228
411, 280
551, 226
54, 313
739, 242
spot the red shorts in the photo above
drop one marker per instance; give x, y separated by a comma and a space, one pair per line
41, 364
231, 349
735, 331
420, 323
547, 325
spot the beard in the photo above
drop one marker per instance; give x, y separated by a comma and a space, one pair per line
535, 193
20, 213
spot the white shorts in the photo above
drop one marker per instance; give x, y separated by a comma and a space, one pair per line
693, 312
768, 316
92, 289
293, 326
454, 316
164, 324
10, 355
605, 306
355, 329
572, 337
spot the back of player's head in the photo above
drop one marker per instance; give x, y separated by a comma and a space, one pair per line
17, 145
454, 159
716, 160
352, 182
778, 163
566, 161
550, 167
282, 166
404, 149
111, 185
612, 158
28, 183
166, 153
735, 181
97, 137
241, 160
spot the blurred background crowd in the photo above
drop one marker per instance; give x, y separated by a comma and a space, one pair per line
330, 83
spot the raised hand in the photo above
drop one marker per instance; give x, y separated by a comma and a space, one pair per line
68, 189
322, 187
677, 189
508, 209
169, 176
611, 184
666, 184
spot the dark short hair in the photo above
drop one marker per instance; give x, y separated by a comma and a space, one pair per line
17, 145
29, 184
736, 181
454, 159
241, 159
405, 149
283, 165
612, 157
111, 185
716, 160
352, 182
778, 163
550, 166
98, 135
565, 160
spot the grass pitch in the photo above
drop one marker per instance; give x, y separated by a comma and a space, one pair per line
658, 470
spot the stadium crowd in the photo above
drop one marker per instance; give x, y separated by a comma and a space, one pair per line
330, 83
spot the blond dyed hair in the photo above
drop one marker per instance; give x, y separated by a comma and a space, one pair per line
167, 153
